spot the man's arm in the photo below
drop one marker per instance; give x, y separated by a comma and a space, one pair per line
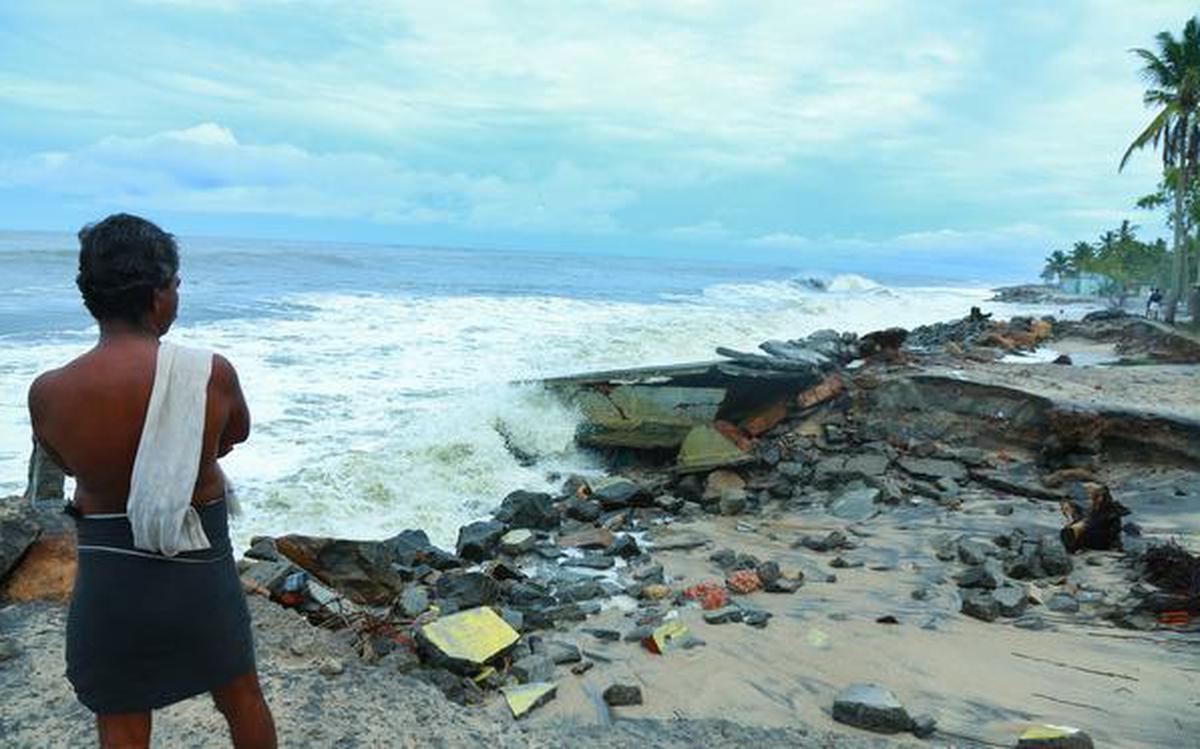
237, 426
39, 403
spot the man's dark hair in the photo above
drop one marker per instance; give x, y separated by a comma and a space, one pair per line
122, 260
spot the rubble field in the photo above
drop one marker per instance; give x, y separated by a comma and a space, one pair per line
927, 537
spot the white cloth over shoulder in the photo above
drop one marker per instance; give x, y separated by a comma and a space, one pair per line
168, 457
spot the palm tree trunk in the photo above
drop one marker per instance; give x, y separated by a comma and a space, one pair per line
1178, 261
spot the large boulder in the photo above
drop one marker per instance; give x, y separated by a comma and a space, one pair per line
18, 530
522, 509
478, 541
367, 572
872, 707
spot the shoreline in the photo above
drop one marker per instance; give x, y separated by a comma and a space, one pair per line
858, 505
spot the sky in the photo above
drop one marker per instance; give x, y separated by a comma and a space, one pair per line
969, 132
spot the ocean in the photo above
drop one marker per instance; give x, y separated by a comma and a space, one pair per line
377, 375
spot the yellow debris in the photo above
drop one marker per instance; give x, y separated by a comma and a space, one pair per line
670, 635
475, 635
1049, 732
524, 697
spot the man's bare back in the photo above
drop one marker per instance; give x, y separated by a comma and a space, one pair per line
88, 415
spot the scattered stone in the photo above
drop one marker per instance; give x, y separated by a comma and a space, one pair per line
669, 503
579, 669
513, 617
266, 578
533, 668
261, 548
561, 652
414, 601
768, 573
625, 546
828, 542
590, 561
518, 541
1011, 601
605, 635
330, 667
522, 509
987, 575
616, 493
973, 551
1054, 737
842, 563
723, 558
756, 618
723, 615
363, 570
722, 485
933, 469
583, 510
924, 726
871, 707
980, 605
584, 590
1063, 603
650, 573
622, 695
477, 541
855, 504
523, 698
591, 538
785, 584
467, 590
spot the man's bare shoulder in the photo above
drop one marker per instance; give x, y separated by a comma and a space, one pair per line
224, 374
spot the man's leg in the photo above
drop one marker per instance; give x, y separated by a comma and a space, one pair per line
242, 704
124, 730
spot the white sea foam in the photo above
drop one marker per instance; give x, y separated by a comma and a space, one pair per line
376, 413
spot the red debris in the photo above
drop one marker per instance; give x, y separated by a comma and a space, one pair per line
710, 594
743, 581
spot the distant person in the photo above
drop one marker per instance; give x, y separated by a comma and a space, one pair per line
1154, 303
158, 613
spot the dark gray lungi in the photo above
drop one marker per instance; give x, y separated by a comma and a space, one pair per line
145, 630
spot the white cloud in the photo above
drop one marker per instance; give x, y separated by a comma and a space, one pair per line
204, 168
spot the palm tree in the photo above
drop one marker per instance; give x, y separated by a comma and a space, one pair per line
1174, 77
1057, 265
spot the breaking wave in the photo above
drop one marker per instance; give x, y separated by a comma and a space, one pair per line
377, 412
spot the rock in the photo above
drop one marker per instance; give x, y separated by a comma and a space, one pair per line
855, 504
579, 669
584, 590
723, 484
973, 551
871, 465
650, 573
583, 510
477, 541
723, 615
1011, 601
521, 699
622, 695
455, 687
513, 618
590, 561
330, 667
517, 541
768, 573
362, 570
723, 558
522, 509
561, 652
1054, 737
732, 505
933, 469
756, 617
261, 548
467, 640
624, 546
1054, 558
1063, 603
467, 589
591, 538
19, 528
980, 605
266, 577
46, 572
532, 668
705, 447
987, 575
829, 542
871, 707
654, 592
616, 493
606, 635
924, 726
785, 584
